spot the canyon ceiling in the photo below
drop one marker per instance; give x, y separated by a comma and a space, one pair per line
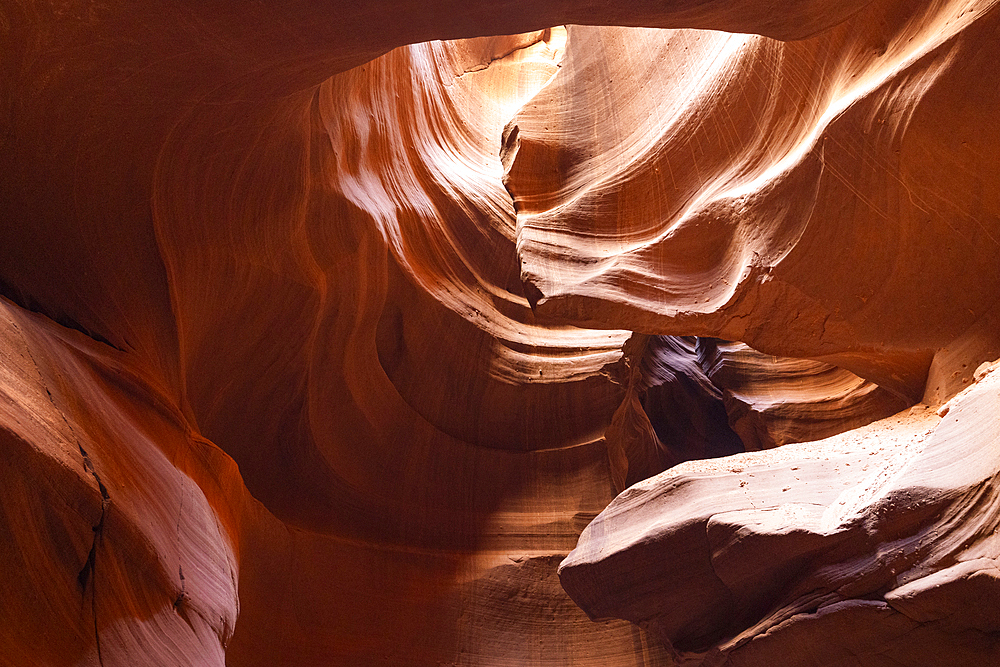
445, 333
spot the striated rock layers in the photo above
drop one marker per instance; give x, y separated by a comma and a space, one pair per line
322, 343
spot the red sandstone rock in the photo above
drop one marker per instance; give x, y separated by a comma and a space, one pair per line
773, 401
349, 374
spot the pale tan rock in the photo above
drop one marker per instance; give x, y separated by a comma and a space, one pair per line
725, 557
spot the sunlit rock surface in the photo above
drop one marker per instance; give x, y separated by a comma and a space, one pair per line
317, 348
875, 546
709, 208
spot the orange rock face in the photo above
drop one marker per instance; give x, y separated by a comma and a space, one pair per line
322, 343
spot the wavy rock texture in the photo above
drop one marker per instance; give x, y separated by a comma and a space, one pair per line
316, 350
773, 401
690, 398
707, 208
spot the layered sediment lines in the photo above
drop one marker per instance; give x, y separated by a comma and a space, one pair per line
707, 208
317, 348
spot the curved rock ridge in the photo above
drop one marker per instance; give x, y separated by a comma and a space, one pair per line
428, 176
772, 401
407, 351
308, 283
93, 92
876, 546
367, 333
692, 183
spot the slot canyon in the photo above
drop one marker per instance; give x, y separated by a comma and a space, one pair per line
500, 334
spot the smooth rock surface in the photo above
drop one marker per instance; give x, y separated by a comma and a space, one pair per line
322, 343
723, 558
